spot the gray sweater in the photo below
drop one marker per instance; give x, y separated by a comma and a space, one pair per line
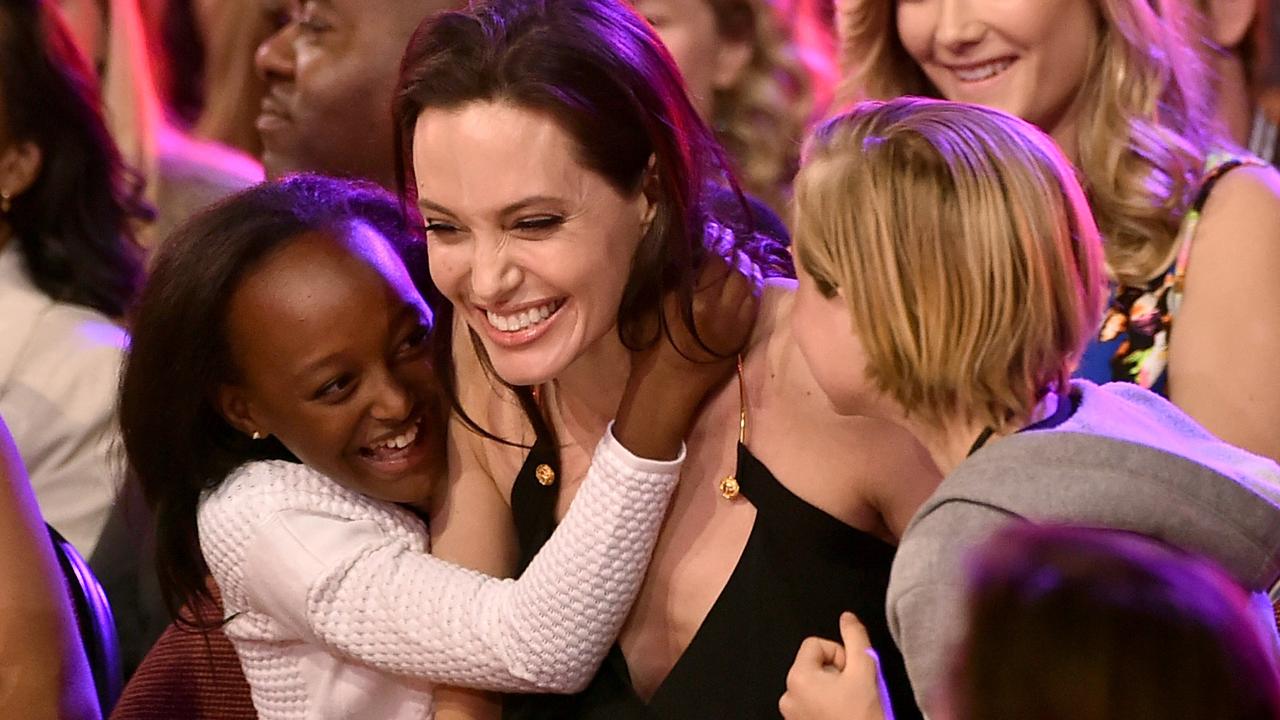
1127, 459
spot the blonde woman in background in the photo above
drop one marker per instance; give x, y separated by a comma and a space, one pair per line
1122, 86
750, 80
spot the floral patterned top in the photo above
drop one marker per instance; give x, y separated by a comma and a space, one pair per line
1133, 344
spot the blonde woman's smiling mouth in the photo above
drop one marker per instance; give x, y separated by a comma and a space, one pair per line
980, 71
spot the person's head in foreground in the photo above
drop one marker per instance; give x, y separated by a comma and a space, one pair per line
285, 322
1073, 623
564, 123
950, 270
1081, 624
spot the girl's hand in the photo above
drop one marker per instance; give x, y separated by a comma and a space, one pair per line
830, 681
670, 379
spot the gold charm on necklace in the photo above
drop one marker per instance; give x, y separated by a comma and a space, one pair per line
729, 488
545, 474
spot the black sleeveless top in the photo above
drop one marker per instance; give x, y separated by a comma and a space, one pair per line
799, 570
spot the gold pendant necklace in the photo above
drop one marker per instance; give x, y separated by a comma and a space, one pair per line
729, 487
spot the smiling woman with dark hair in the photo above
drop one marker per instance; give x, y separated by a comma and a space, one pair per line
68, 268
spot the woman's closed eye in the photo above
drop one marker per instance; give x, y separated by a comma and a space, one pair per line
537, 224
440, 228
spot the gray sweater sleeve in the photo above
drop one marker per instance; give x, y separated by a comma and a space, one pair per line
926, 600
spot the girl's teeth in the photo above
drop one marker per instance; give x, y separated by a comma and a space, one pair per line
520, 320
400, 442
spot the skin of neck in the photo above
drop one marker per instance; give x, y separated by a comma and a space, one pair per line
590, 389
1066, 132
1234, 107
948, 443
947, 439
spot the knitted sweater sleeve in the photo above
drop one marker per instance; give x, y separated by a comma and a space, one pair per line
364, 594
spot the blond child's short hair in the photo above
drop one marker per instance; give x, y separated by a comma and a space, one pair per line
961, 240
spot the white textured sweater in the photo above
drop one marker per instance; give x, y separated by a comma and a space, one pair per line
338, 610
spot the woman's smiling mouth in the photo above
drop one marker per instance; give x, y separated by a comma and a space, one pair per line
978, 72
519, 327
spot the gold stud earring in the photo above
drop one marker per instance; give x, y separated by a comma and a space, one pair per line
257, 435
6, 202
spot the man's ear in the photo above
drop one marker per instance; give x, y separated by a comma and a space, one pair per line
1230, 20
19, 167
238, 411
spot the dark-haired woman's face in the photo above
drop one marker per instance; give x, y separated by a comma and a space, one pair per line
330, 338
532, 248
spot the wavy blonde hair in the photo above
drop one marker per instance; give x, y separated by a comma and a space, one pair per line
761, 120
1145, 133
962, 244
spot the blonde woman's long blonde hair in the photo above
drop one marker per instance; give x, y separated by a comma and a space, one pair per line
1146, 129
761, 120
962, 244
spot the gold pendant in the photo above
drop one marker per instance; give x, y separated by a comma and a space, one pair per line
545, 474
729, 488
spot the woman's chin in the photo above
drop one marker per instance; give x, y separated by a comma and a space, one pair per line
524, 372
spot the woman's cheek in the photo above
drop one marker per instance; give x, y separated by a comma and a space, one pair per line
448, 271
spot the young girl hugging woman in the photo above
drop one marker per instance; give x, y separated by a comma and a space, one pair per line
1190, 221
283, 414
951, 275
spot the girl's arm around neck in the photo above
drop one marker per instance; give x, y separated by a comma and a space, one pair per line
350, 576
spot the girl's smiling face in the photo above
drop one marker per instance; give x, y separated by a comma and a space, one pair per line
330, 339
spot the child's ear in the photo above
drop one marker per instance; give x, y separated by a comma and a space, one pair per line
238, 411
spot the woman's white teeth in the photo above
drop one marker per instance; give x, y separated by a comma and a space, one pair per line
521, 320
399, 442
982, 72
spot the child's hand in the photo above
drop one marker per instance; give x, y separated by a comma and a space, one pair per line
830, 681
725, 302
670, 379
